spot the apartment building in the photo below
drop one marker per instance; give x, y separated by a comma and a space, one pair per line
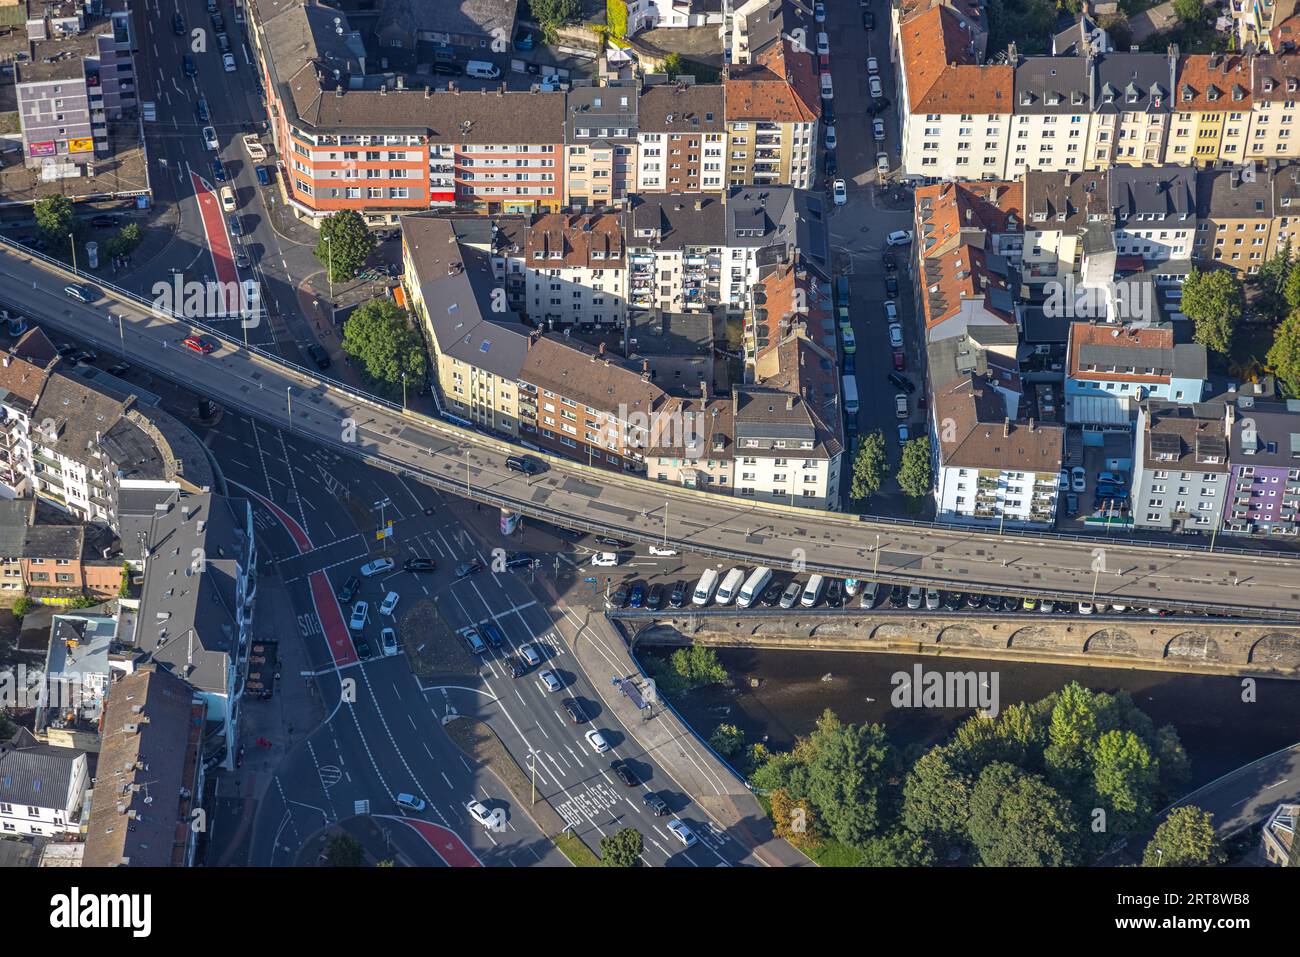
15, 516
1154, 210
681, 138
789, 299
1285, 180
773, 97
770, 225
1053, 114
990, 467
988, 214
576, 269
678, 349
21, 382
79, 76
1267, 26
704, 458
84, 655
1180, 466
600, 143
150, 776
1234, 218
1212, 115
62, 563
1264, 472
42, 788
1111, 369
665, 14
675, 247
1131, 108
447, 25
475, 353
1061, 208
1275, 90
955, 110
967, 288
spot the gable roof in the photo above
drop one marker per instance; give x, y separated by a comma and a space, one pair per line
941, 67
949, 210
1213, 81
34, 774
982, 437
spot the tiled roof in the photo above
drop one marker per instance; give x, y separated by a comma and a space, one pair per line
781, 86
583, 240
1193, 435
694, 108
1213, 82
1277, 77
20, 382
946, 209
1105, 345
953, 278
1049, 196
940, 64
981, 437
583, 375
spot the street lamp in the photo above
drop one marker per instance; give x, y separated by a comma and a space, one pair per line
329, 269
288, 402
72, 244
121, 333
403, 391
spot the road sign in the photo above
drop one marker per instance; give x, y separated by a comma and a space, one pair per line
385, 532
590, 581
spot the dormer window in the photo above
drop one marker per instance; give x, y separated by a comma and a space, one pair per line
1291, 84
1212, 94
1026, 98
1053, 99
1076, 98
1187, 94
1268, 85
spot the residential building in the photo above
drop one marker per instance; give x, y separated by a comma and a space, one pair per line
1275, 90
789, 298
1053, 113
664, 14
1261, 24
677, 347
1061, 208
770, 225
1213, 111
42, 788
991, 468
1154, 209
1131, 108
964, 288
681, 137
462, 27
703, 458
149, 784
576, 269
15, 516
1278, 836
1112, 369
63, 563
1234, 218
988, 214
21, 382
1180, 466
1264, 476
600, 143
81, 661
1285, 180
675, 251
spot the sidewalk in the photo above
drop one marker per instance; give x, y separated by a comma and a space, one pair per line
603, 655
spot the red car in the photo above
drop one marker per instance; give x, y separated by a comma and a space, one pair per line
198, 344
900, 361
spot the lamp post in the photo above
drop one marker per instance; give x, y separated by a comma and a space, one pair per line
329, 269
876, 567
403, 391
467, 495
288, 402
72, 244
121, 333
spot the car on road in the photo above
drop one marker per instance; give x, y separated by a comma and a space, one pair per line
573, 708
899, 237
253, 147
419, 565
891, 310
900, 360
210, 138
492, 633
377, 567
388, 639
201, 108
620, 596
119, 368
218, 171
882, 164
878, 129
790, 597
840, 192
896, 335
551, 680
868, 20
873, 84
902, 382
891, 285
188, 66
479, 813
263, 176
834, 593
873, 65
682, 831
360, 612
105, 221
410, 802
389, 603
178, 25
900, 405
81, 292
677, 597
228, 202
1078, 478
518, 668
198, 344
624, 773
914, 598
530, 655
349, 590
613, 542
604, 559
597, 741
830, 137
655, 804
819, 12
465, 569
526, 464
236, 226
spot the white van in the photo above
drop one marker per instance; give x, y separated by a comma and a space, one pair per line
482, 69
753, 587
704, 588
812, 592
730, 585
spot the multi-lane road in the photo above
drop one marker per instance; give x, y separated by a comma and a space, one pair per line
1259, 583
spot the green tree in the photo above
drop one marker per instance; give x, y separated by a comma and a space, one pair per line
1271, 282
1175, 767
621, 849
936, 799
127, 239
1126, 778
898, 848
344, 850
124, 590
54, 221
673, 64
22, 606
378, 337
914, 469
344, 245
727, 740
1291, 286
1019, 820
1184, 839
781, 771
553, 13
847, 777
1072, 733
1284, 355
616, 18
1189, 11
698, 666
1212, 300
870, 466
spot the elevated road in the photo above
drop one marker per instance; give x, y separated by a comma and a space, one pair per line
1256, 583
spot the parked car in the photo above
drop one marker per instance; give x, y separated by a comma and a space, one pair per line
873, 65
891, 285
388, 639
619, 597
900, 360
878, 126
654, 599
914, 598
904, 435
638, 594
868, 20
389, 603
840, 192
834, 593
830, 137
210, 138
218, 171
228, 202
902, 382
360, 612
895, 335
898, 596
677, 597
1078, 478
263, 176
790, 597
874, 85
900, 405
899, 237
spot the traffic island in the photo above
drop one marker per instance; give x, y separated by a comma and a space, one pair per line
432, 647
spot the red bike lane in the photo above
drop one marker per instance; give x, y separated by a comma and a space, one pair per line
445, 843
219, 245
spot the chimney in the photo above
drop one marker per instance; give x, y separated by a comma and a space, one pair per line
1031, 424
427, 93
789, 403
704, 391
7, 359
1006, 427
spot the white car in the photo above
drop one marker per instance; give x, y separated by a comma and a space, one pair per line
896, 335
389, 603
891, 311
873, 65
1085, 608
660, 550
388, 638
900, 405
479, 812
377, 567
228, 199
830, 137
1078, 478
550, 680
410, 802
840, 192
1063, 481
604, 559
878, 130
873, 82
597, 741
882, 164
681, 830
932, 599
819, 12
210, 138
899, 237
360, 612
228, 62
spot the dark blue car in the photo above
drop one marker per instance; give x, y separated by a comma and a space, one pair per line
638, 595
493, 634
263, 176
218, 171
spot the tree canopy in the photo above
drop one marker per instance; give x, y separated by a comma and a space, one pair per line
621, 849
1184, 839
55, 219
377, 335
870, 466
1212, 300
1284, 354
914, 469
344, 245
1019, 820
